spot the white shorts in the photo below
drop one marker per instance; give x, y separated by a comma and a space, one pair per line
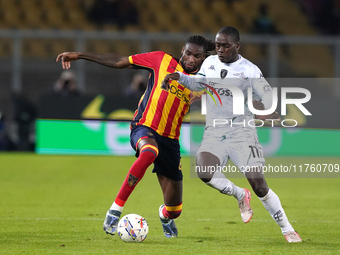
240, 145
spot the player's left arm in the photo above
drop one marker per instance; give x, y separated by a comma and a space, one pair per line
265, 92
191, 82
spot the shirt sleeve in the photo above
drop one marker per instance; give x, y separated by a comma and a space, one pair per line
262, 88
147, 60
194, 82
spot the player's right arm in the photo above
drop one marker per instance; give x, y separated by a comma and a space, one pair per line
264, 91
192, 82
112, 60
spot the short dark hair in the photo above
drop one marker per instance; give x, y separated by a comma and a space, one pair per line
231, 31
201, 41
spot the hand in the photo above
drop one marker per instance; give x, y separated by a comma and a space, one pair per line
66, 58
167, 80
259, 106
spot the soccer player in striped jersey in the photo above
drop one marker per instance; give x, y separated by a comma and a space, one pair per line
236, 142
156, 125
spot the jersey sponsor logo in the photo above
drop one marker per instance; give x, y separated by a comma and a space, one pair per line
209, 93
220, 91
224, 73
179, 93
223, 92
211, 83
212, 67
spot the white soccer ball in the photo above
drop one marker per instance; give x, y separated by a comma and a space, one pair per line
132, 228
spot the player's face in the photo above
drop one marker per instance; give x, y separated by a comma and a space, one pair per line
192, 57
226, 48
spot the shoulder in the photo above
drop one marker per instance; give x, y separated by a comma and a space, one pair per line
209, 61
150, 54
149, 59
252, 70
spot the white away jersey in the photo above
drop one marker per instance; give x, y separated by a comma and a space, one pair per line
242, 74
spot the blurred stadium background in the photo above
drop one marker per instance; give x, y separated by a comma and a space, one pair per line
297, 42
57, 203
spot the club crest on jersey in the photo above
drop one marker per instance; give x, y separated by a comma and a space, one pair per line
132, 180
224, 73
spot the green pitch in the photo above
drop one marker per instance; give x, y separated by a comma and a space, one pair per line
57, 204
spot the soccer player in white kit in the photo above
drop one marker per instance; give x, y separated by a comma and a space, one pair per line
230, 136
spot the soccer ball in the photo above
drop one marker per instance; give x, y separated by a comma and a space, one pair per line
132, 228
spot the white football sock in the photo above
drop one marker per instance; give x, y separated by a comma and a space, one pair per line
116, 207
161, 215
221, 183
273, 205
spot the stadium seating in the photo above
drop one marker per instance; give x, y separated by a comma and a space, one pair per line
199, 16
167, 16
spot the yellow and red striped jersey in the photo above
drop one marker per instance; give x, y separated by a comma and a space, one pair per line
161, 110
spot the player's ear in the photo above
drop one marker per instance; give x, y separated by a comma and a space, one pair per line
183, 49
238, 45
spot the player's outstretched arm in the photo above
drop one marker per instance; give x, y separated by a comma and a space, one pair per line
192, 82
113, 60
167, 79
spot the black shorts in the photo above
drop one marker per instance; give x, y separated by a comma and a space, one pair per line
168, 161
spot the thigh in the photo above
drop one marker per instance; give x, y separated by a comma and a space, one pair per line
245, 151
215, 145
204, 162
172, 190
141, 135
168, 161
247, 154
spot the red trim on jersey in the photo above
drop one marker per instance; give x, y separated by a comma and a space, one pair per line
180, 120
172, 114
159, 110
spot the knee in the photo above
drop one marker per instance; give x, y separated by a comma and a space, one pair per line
149, 153
172, 212
205, 177
260, 191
